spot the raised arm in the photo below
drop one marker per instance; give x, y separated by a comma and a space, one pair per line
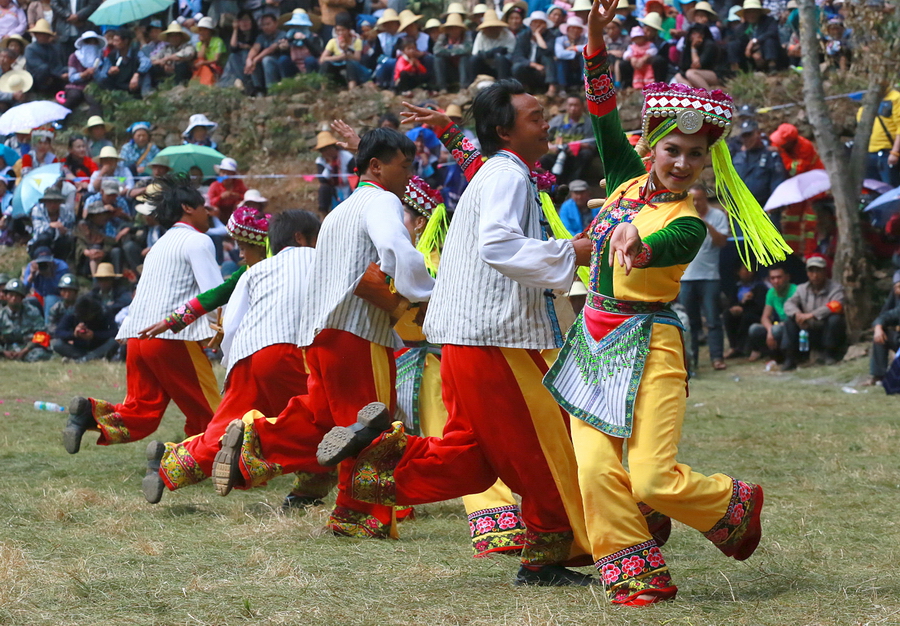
467, 156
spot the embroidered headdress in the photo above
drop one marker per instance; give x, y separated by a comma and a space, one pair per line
428, 202
249, 225
421, 197
691, 111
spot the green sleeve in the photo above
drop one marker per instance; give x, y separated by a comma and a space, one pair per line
676, 244
620, 161
218, 296
770, 297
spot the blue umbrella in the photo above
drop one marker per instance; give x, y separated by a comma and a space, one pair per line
118, 12
882, 207
33, 185
9, 155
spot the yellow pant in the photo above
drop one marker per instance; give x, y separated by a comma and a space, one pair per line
614, 522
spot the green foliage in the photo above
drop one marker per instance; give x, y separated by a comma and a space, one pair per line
301, 83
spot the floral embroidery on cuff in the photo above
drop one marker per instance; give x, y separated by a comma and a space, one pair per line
644, 258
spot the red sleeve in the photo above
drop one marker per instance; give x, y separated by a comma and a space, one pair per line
215, 193
90, 165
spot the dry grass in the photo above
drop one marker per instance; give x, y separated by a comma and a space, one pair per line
80, 546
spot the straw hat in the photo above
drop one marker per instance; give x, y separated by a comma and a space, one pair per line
625, 4
582, 5
454, 110
705, 6
324, 139
407, 18
491, 20
454, 19
572, 20
96, 120
106, 270
752, 4
4, 43
509, 6
653, 21
15, 81
205, 22
41, 26
174, 29
432, 24
479, 9
454, 8
109, 152
389, 15
791, 5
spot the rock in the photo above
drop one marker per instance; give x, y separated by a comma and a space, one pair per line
856, 351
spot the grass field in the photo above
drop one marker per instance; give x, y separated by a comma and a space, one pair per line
79, 545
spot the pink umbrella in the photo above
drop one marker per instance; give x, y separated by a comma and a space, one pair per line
808, 185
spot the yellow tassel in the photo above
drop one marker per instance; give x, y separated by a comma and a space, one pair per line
761, 238
433, 236
560, 231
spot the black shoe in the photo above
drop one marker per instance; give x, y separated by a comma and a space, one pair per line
788, 365
552, 576
152, 485
292, 501
227, 464
342, 442
81, 420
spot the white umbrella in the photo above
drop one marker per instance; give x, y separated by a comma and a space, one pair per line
809, 185
30, 115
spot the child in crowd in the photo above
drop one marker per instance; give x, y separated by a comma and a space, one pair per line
639, 52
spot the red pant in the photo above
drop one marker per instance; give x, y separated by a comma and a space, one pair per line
159, 370
266, 380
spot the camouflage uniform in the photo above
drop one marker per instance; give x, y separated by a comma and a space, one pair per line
16, 329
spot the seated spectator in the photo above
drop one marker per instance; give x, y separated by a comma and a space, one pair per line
744, 310
78, 166
306, 46
44, 61
92, 243
533, 62
767, 336
409, 29
52, 223
243, 36
84, 67
198, 131
210, 60
571, 142
96, 129
333, 168
14, 84
139, 152
556, 15
574, 212
798, 154
389, 34
109, 290
887, 335
758, 44
700, 60
817, 308
152, 41
175, 59
111, 169
12, 19
667, 15
126, 67
68, 293
255, 200
147, 228
493, 47
452, 52
616, 45
41, 152
88, 333
19, 323
705, 15
432, 28
409, 73
476, 17
4, 278
12, 230
41, 276
837, 45
341, 59
269, 60
513, 13
16, 45
330, 9
226, 192
639, 53
567, 49
651, 25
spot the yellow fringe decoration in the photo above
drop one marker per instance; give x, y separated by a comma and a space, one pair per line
560, 231
433, 236
761, 238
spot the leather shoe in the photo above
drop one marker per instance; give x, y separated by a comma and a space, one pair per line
552, 576
81, 419
343, 442
152, 485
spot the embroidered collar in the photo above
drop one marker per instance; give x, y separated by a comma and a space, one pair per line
371, 183
657, 196
186, 225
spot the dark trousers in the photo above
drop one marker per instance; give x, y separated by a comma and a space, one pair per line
878, 361
757, 339
569, 72
407, 81
75, 96
452, 71
349, 70
660, 70
535, 81
102, 351
701, 298
877, 167
829, 335
497, 65
737, 327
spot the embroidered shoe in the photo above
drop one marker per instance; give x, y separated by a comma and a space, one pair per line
81, 419
292, 501
152, 484
739, 531
343, 442
640, 598
226, 471
552, 576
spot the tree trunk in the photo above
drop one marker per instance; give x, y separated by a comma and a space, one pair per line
851, 265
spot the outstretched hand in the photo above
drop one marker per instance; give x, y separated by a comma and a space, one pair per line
602, 13
344, 130
624, 246
421, 115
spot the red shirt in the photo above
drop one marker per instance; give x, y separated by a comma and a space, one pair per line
226, 206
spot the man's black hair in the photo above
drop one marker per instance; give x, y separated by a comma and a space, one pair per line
124, 33
344, 19
265, 15
175, 192
382, 144
285, 225
493, 108
88, 307
389, 117
778, 265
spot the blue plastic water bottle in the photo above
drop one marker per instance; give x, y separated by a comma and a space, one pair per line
48, 406
804, 340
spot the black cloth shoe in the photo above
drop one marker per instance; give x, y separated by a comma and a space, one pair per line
81, 419
292, 501
342, 442
152, 485
227, 464
788, 365
552, 576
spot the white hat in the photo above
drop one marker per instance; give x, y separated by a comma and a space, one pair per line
145, 208
582, 5
653, 21
253, 195
540, 16
88, 35
205, 22
198, 119
228, 164
572, 20
752, 4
